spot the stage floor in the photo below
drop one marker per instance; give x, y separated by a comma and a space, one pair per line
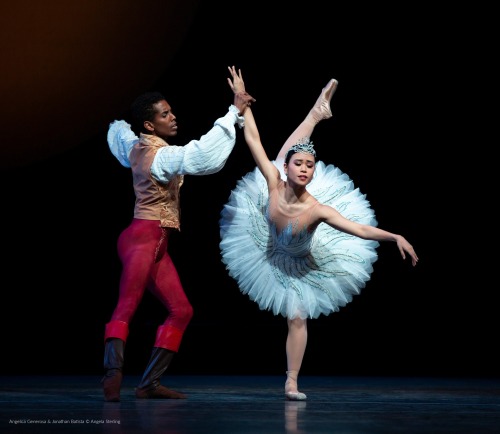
254, 405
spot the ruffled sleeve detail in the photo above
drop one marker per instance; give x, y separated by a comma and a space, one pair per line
121, 140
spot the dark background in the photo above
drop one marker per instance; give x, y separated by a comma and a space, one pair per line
66, 198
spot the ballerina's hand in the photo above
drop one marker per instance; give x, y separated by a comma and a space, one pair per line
236, 84
405, 246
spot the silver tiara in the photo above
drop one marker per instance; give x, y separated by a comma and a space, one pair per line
303, 145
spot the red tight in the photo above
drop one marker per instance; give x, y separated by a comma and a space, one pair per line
142, 248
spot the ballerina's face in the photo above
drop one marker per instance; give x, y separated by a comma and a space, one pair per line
300, 168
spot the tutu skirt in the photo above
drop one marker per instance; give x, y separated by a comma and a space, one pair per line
305, 275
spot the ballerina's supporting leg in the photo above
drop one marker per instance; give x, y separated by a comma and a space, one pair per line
295, 349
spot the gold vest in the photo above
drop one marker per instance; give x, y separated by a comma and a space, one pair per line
153, 200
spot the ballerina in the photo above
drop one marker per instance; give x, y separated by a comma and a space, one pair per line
296, 234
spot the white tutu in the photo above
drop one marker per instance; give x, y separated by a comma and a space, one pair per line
302, 276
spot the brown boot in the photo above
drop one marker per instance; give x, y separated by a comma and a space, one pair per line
150, 387
158, 392
113, 364
111, 384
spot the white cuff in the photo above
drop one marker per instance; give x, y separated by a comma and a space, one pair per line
240, 120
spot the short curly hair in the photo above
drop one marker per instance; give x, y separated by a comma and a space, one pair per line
142, 109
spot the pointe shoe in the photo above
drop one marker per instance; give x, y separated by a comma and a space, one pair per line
291, 392
295, 396
321, 109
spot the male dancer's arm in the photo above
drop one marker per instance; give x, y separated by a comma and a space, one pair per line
208, 154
